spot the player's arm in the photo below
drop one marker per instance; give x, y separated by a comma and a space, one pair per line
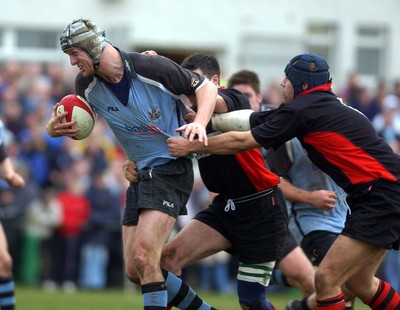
280, 162
227, 143
228, 99
320, 199
7, 171
206, 100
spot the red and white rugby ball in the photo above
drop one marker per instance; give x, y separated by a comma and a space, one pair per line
79, 110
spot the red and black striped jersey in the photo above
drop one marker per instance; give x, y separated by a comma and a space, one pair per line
339, 139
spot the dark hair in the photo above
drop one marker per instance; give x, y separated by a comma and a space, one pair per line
246, 77
208, 64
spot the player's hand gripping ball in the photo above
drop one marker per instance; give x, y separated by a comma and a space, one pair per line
79, 110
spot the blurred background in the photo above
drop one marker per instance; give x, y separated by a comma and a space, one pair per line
64, 227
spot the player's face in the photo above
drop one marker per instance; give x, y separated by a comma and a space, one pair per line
250, 93
287, 91
80, 59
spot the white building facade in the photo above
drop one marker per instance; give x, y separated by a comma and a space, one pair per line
360, 36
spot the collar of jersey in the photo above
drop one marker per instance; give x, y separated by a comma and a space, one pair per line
324, 87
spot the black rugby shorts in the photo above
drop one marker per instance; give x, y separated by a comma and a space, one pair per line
375, 215
257, 229
165, 188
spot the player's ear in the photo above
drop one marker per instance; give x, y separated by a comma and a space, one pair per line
259, 97
215, 79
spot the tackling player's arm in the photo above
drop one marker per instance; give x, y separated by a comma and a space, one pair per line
227, 143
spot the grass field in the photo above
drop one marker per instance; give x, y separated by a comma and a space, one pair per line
37, 299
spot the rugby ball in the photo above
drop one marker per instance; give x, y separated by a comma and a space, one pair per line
78, 110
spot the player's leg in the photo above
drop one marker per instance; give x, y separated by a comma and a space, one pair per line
298, 271
375, 215
7, 286
160, 286
352, 259
259, 234
252, 281
142, 252
315, 246
385, 297
195, 241
152, 207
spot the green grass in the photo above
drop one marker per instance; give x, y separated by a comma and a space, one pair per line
37, 299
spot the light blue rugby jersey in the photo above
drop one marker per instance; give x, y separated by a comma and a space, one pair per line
153, 112
304, 174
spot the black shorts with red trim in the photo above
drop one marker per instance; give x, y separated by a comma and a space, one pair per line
375, 215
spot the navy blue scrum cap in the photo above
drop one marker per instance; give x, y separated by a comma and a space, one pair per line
307, 68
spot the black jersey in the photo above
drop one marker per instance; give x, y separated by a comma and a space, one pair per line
237, 175
339, 139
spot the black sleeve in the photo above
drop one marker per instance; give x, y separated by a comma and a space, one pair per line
235, 100
172, 76
278, 160
274, 127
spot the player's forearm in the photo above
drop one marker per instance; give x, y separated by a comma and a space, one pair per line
229, 143
293, 193
6, 169
206, 100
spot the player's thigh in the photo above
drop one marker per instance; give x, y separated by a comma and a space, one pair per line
195, 241
5, 257
3, 241
150, 234
153, 230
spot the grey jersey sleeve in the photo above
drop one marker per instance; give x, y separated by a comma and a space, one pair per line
279, 160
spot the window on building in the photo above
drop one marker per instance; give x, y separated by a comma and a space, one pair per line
267, 55
27, 38
371, 42
321, 39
